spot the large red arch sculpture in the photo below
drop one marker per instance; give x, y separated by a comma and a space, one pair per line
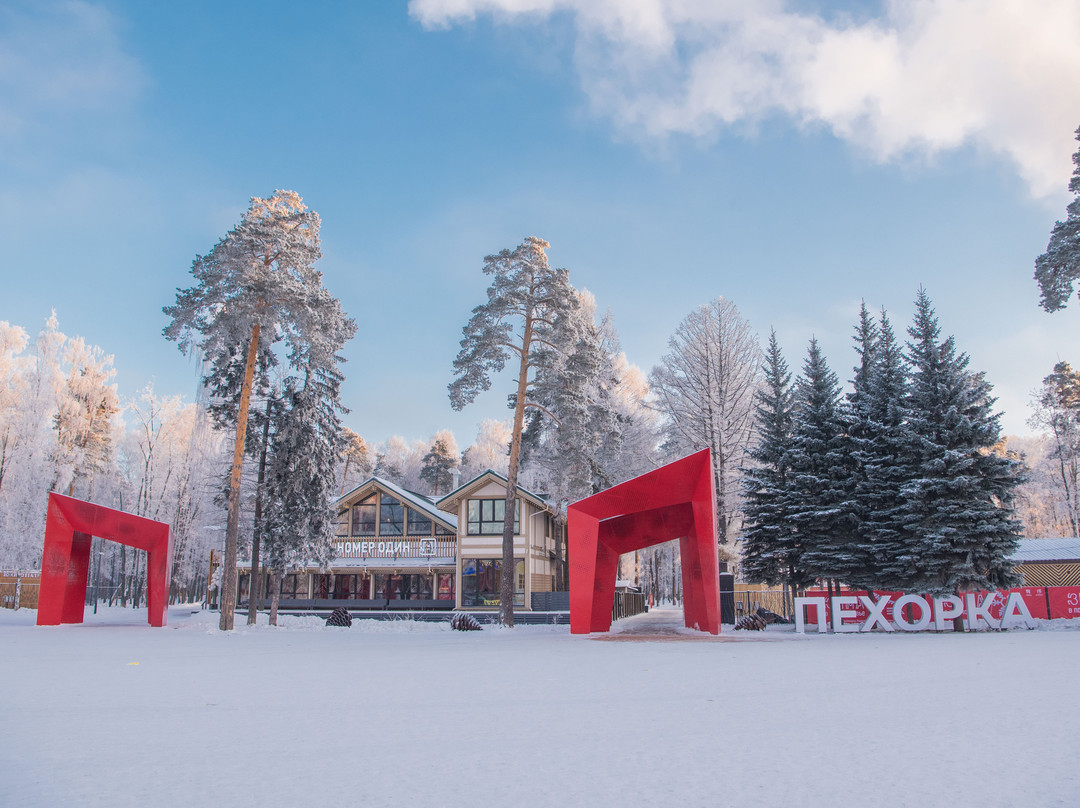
677, 501
65, 561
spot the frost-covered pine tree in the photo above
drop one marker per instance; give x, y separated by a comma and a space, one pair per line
490, 450
771, 550
571, 446
957, 510
524, 320
258, 286
440, 462
1056, 409
357, 462
1057, 269
818, 505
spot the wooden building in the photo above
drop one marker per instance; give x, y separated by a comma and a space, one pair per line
1048, 562
479, 507
397, 549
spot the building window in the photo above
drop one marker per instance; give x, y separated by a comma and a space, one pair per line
404, 587
419, 525
391, 516
443, 531
363, 517
294, 585
350, 587
480, 582
486, 517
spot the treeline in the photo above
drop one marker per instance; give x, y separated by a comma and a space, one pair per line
901, 484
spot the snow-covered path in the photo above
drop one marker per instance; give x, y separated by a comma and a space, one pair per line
389, 713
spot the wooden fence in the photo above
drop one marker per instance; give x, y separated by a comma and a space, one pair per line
19, 589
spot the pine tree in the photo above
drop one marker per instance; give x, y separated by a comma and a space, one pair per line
576, 454
524, 318
257, 286
1057, 410
1057, 269
439, 463
818, 504
770, 552
357, 458
957, 511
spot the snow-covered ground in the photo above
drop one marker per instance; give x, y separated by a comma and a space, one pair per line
114, 713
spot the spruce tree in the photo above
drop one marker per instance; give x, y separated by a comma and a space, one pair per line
769, 552
878, 452
857, 430
818, 503
957, 509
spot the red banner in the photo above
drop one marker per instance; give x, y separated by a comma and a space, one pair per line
1064, 601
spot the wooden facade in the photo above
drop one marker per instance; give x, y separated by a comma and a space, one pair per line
396, 549
478, 507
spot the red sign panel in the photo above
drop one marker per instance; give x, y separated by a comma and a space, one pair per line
1064, 601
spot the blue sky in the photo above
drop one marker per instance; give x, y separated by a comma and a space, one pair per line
794, 157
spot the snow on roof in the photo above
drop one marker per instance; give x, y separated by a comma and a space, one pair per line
1067, 549
417, 501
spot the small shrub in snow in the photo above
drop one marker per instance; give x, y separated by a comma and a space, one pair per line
464, 622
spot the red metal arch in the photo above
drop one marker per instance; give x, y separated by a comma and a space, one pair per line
65, 562
677, 501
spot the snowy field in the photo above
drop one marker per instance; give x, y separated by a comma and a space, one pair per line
114, 713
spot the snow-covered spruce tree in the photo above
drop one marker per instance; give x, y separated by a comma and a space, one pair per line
1057, 411
957, 510
523, 318
705, 387
878, 440
306, 441
439, 463
256, 287
771, 551
817, 504
1057, 269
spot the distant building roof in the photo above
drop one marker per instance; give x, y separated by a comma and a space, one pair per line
1047, 550
420, 502
449, 502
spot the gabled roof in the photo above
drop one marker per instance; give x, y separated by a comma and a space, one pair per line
1067, 549
418, 502
449, 503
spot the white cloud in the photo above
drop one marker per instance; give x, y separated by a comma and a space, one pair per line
63, 74
925, 76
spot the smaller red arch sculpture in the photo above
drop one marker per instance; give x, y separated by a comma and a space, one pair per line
677, 501
69, 526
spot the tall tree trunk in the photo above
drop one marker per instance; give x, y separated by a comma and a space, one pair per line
255, 590
275, 595
509, 568
232, 524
